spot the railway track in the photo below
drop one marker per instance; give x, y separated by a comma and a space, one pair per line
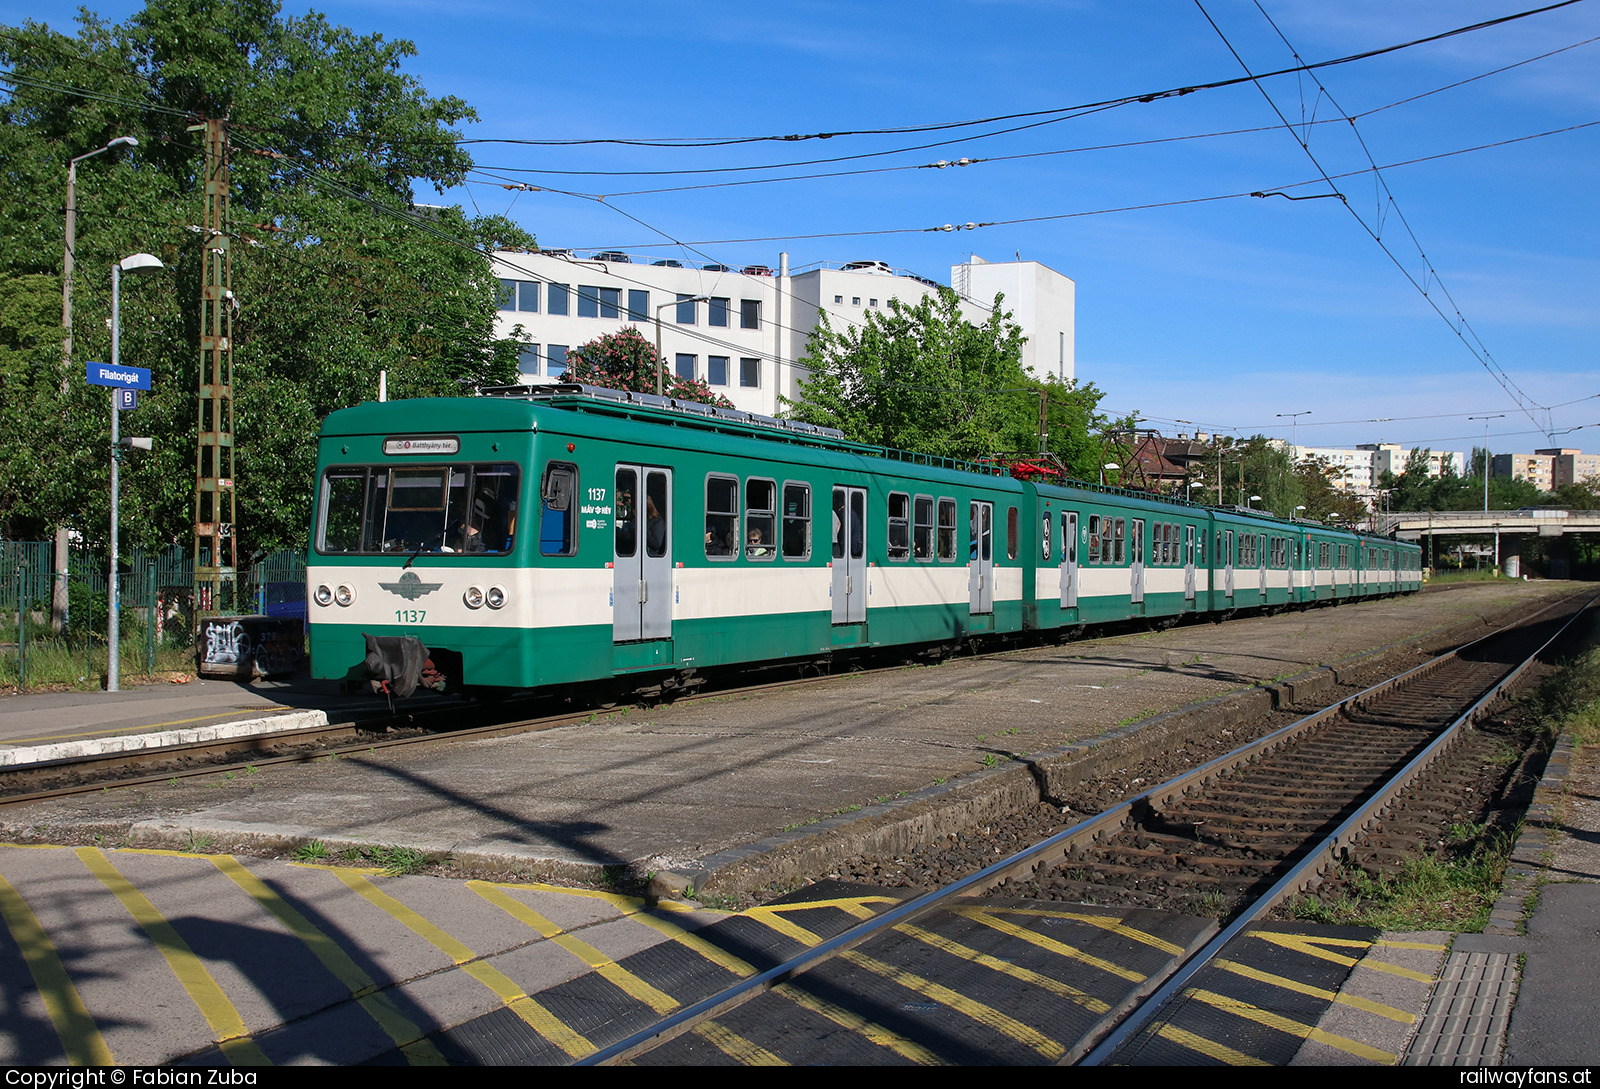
955, 975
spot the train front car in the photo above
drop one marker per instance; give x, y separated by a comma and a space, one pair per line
421, 565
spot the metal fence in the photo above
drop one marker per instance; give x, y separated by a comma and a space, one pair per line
155, 595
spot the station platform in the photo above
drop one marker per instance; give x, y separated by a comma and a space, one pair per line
709, 784
55, 725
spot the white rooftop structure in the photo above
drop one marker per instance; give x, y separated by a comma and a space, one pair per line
742, 329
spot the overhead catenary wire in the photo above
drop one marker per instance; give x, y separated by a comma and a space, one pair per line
1475, 346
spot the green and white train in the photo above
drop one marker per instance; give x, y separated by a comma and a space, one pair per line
562, 535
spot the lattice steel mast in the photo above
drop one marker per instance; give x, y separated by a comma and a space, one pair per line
216, 558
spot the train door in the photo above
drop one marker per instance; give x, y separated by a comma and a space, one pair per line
641, 578
849, 555
980, 566
1227, 559
1136, 554
1261, 562
1069, 559
1292, 544
1188, 564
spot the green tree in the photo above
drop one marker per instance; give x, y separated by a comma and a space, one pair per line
924, 378
626, 360
336, 275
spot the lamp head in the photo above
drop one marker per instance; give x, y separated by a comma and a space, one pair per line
141, 262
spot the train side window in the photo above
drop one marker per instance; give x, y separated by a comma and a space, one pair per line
922, 539
722, 517
1044, 536
1120, 537
557, 522
1011, 533
626, 513
1094, 538
899, 526
796, 521
759, 519
947, 529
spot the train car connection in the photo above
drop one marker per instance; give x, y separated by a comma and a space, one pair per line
564, 535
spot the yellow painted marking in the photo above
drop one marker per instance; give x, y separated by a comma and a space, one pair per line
1027, 975
609, 969
536, 1017
80, 1038
870, 1030
988, 918
691, 940
852, 904
418, 1050
1293, 1028
628, 904
1109, 923
227, 1026
1383, 943
768, 917
735, 1046
1209, 1048
683, 908
984, 1015
1353, 1001
1309, 945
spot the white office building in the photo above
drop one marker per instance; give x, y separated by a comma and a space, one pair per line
742, 330
1360, 469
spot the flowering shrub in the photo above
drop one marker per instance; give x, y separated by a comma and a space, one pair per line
626, 360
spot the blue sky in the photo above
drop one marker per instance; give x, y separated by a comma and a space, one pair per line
1223, 312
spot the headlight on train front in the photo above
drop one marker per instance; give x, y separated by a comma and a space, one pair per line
323, 596
473, 597
496, 597
344, 595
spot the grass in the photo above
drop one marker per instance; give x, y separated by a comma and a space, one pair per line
1432, 893
315, 851
1488, 574
198, 843
55, 665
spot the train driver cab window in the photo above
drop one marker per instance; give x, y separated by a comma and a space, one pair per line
722, 517
760, 537
1011, 533
797, 521
899, 526
947, 529
557, 520
922, 538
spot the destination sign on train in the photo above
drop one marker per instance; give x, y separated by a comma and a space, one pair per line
421, 446
120, 376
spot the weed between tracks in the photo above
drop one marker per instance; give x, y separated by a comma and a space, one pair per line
1434, 892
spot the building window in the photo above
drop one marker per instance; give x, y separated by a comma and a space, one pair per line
872, 302
598, 302
750, 373
838, 298
717, 370
556, 299
719, 312
638, 306
505, 296
555, 360
528, 296
855, 300
750, 313
686, 309
528, 359
686, 367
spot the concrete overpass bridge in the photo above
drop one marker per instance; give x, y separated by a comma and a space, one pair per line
1508, 527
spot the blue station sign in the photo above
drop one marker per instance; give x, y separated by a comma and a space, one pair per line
122, 376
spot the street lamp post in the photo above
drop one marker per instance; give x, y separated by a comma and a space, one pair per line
661, 360
137, 263
1486, 419
1113, 466
58, 594
1294, 423
1251, 503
